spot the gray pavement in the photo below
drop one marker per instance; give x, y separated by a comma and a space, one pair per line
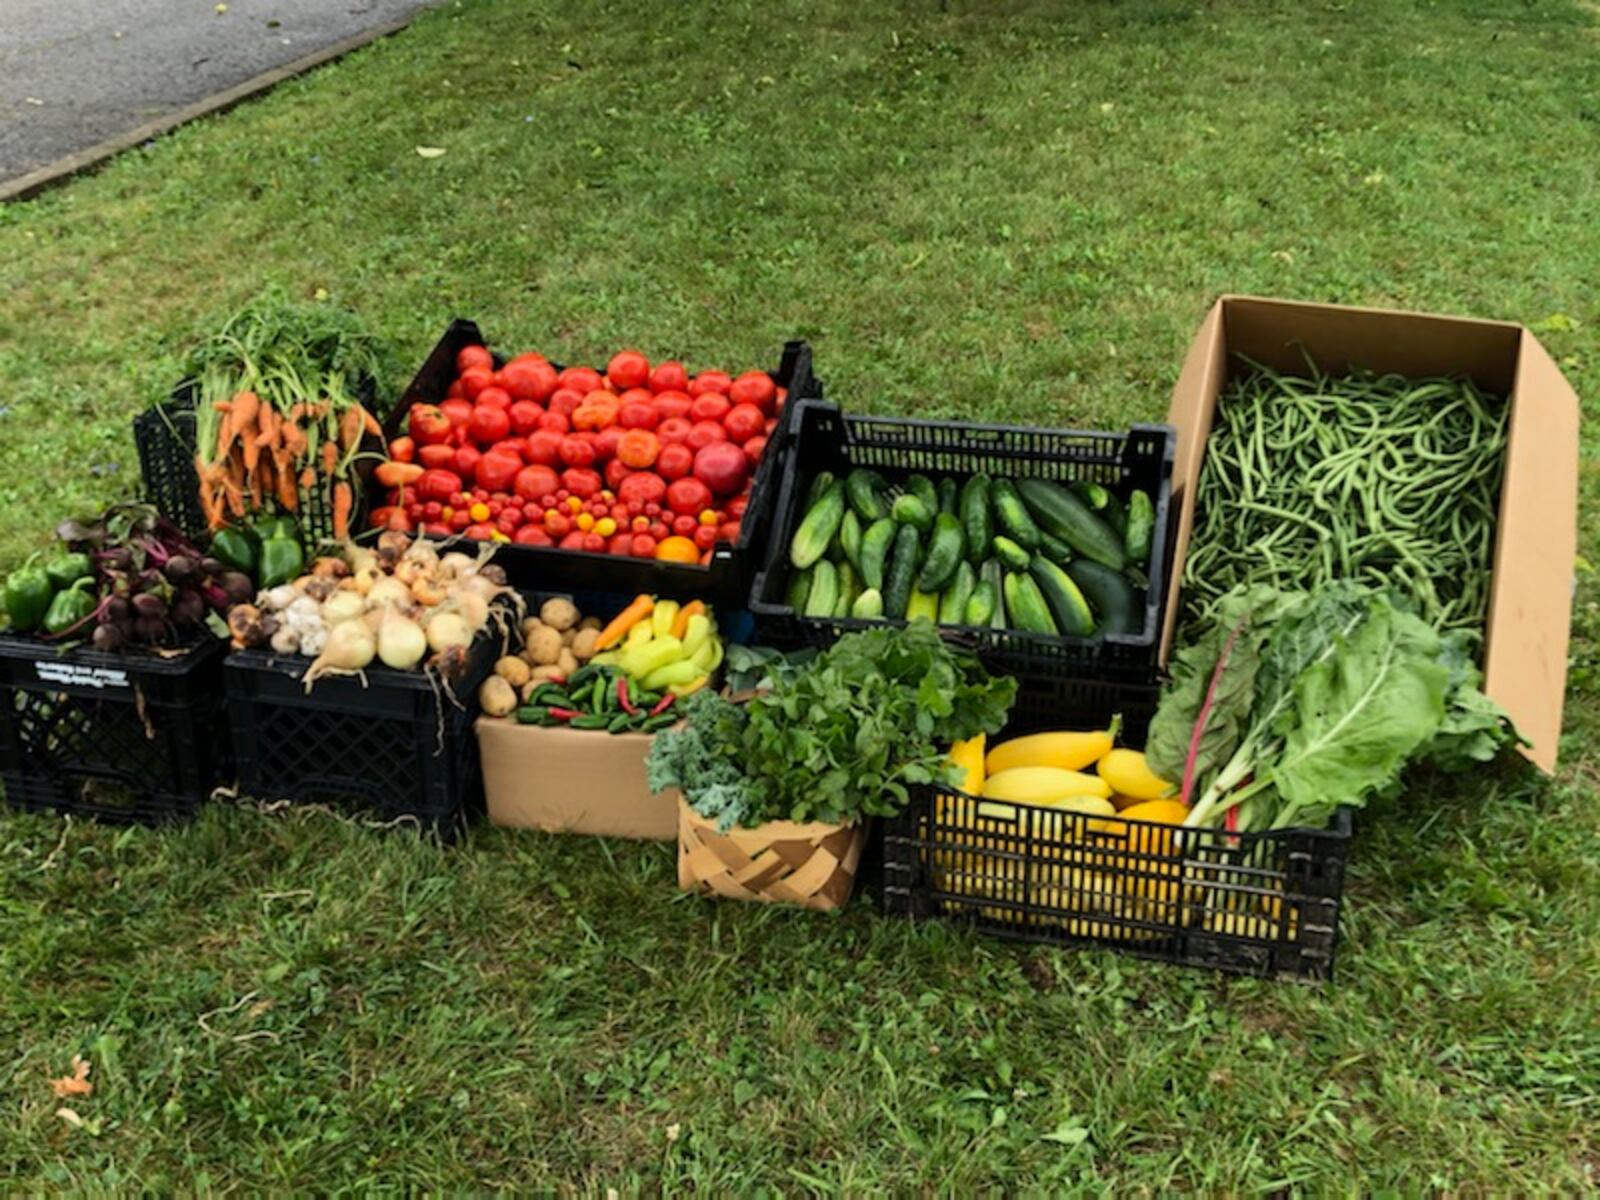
74, 73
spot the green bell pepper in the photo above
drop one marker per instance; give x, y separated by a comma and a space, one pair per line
69, 607
281, 561
277, 527
66, 568
236, 548
28, 592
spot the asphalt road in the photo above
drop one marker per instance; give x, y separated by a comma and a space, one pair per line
76, 72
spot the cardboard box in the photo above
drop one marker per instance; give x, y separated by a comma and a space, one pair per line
1530, 602
572, 781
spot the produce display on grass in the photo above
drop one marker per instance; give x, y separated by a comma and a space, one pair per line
127, 578
643, 460
1380, 479
993, 553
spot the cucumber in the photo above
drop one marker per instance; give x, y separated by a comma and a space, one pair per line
953, 604
864, 489
1141, 528
902, 566
1012, 555
922, 606
1071, 611
849, 589
1025, 605
1092, 494
824, 590
911, 510
975, 523
868, 605
819, 485
1012, 515
995, 575
875, 543
948, 494
922, 488
1055, 549
850, 537
1108, 593
1063, 514
797, 591
1116, 516
817, 527
944, 552
980, 605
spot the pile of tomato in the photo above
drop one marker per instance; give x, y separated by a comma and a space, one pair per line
642, 460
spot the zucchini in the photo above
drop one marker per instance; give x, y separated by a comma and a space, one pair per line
868, 605
1025, 605
1092, 494
944, 552
911, 510
975, 523
1071, 611
818, 527
1055, 549
849, 588
1012, 515
902, 566
824, 590
1063, 514
875, 543
953, 604
980, 605
1108, 593
948, 494
864, 490
799, 588
1141, 528
819, 485
996, 576
1012, 555
850, 538
1116, 516
922, 606
922, 488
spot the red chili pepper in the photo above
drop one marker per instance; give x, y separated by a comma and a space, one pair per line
663, 704
565, 714
628, 706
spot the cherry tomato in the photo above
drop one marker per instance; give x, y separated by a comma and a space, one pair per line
710, 381
594, 543
459, 520
674, 461
705, 536
728, 531
620, 543
743, 422
685, 525
432, 510
642, 545
703, 433
628, 369
757, 388
660, 531
470, 357
557, 523
709, 406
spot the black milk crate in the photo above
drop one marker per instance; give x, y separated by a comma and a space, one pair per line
822, 438
164, 436
724, 580
136, 737
395, 744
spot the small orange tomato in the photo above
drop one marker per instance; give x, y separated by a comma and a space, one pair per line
678, 549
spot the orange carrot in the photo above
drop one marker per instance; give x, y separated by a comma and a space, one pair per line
246, 405
393, 474
330, 458
350, 427
344, 500
370, 422
222, 406
270, 427
288, 492
680, 624
638, 609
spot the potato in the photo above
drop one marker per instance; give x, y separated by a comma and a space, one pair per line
583, 644
567, 636
594, 623
559, 613
497, 697
513, 670
566, 661
544, 647
544, 674
529, 625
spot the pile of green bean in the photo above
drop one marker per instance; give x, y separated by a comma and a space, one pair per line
1374, 477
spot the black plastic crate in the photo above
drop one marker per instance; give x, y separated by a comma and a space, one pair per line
725, 580
125, 738
397, 744
164, 436
822, 438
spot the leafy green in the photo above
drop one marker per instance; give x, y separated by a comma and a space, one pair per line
699, 759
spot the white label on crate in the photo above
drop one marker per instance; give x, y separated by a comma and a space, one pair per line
95, 677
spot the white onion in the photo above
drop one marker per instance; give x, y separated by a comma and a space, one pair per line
460, 565
386, 591
342, 606
401, 642
350, 647
474, 609
446, 629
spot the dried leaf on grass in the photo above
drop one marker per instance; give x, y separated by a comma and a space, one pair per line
76, 1084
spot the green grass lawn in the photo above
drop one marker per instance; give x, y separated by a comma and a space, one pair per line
996, 210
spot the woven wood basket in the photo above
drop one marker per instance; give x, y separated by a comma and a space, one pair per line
813, 865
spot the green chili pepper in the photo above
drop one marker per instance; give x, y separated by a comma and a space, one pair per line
533, 714
582, 675
549, 694
236, 548
66, 568
69, 607
660, 721
599, 695
28, 593
590, 721
281, 561
620, 723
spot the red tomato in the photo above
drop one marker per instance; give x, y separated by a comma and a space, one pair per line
757, 388
529, 356
673, 404
459, 411
532, 535
684, 526
709, 406
453, 392
754, 449
480, 532
616, 471
554, 422
673, 431
637, 395
494, 397
581, 481
428, 424
772, 423
480, 493
508, 525
438, 529
544, 447
674, 461
722, 467
620, 543
582, 380
527, 380
392, 517
743, 422
705, 536
641, 489
628, 369
606, 442
594, 543
728, 531
565, 401
638, 416
441, 455
573, 540
432, 510
689, 497
465, 461
710, 381
525, 416
576, 451
474, 381
535, 481
403, 450
557, 523
489, 424
438, 484
469, 357
737, 505
703, 433
642, 545
669, 376
497, 470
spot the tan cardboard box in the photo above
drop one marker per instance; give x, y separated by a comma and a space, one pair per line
572, 781
1530, 603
